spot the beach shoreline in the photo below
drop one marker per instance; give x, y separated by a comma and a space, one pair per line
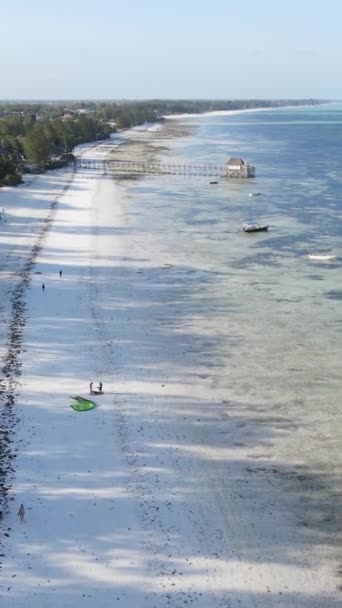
241, 111
146, 500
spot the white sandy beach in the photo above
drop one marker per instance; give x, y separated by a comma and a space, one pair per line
227, 112
146, 501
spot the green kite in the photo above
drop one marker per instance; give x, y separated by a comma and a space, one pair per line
81, 404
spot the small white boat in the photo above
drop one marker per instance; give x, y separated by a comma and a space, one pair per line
322, 257
255, 227
254, 194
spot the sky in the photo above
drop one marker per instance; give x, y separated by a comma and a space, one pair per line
131, 49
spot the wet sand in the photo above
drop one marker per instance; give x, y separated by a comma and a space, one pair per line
167, 494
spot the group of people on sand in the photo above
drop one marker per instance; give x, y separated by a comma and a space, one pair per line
98, 391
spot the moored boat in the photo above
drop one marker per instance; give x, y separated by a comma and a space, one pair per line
255, 227
322, 257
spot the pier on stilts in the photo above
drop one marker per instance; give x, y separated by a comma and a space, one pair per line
158, 168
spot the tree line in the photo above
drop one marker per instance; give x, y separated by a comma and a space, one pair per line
126, 114
43, 135
28, 142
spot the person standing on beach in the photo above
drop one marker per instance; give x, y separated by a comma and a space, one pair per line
43, 287
91, 388
60, 274
21, 513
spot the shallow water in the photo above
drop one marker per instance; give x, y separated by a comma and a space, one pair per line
270, 318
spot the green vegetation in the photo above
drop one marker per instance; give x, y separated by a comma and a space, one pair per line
35, 136
10, 157
127, 114
35, 141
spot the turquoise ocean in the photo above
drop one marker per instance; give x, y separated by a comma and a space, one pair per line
270, 318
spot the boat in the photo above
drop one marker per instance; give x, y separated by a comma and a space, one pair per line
254, 194
213, 182
255, 227
322, 257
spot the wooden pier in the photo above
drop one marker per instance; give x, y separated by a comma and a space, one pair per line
156, 168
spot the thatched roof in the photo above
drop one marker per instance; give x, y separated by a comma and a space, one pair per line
236, 161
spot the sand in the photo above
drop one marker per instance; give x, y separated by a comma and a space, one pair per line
152, 499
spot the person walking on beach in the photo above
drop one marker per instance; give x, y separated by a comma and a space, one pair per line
60, 274
43, 287
21, 513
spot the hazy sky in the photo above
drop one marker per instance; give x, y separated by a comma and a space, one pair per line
180, 48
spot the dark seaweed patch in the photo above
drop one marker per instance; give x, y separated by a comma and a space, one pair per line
11, 364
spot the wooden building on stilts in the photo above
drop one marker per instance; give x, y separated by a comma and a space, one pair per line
236, 167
